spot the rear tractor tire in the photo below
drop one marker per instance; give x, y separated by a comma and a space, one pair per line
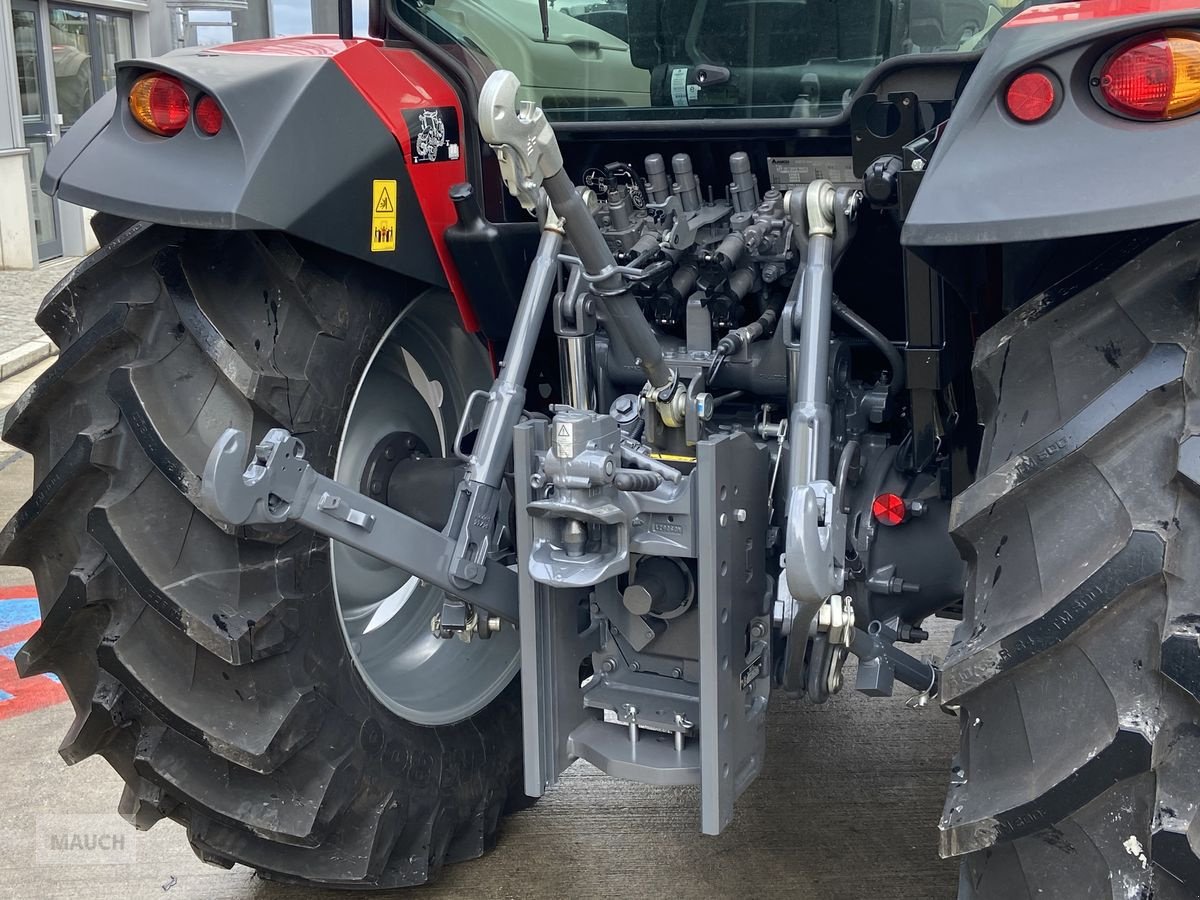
1076, 671
222, 672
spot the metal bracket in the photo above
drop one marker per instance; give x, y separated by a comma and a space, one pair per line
634, 628
881, 663
734, 686
707, 726
870, 110
279, 485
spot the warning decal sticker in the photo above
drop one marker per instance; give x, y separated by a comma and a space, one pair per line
433, 133
564, 440
383, 215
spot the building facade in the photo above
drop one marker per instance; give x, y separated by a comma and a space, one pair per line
56, 59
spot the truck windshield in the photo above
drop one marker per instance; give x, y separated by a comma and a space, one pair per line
686, 59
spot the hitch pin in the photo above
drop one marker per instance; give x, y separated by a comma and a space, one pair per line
684, 726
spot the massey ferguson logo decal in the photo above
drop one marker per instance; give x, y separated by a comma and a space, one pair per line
432, 133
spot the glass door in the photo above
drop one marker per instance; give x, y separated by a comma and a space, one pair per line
71, 40
87, 43
35, 117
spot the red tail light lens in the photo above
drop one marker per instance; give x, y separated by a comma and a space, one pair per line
1031, 97
209, 117
1155, 79
159, 104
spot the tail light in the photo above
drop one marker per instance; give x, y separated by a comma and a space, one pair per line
209, 117
1155, 78
159, 104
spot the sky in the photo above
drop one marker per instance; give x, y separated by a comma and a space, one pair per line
295, 16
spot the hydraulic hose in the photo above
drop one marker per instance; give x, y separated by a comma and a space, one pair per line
878, 339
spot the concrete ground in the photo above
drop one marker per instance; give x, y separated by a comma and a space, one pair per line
847, 808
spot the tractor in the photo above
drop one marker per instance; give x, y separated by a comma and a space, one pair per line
416, 431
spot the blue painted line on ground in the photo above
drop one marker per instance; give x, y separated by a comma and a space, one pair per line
11, 650
18, 612
5, 695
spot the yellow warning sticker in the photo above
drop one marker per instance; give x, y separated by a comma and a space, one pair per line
383, 215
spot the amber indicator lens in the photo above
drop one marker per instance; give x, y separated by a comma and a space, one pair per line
159, 104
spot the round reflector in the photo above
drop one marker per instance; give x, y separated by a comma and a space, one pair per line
159, 104
209, 117
1031, 97
1156, 78
889, 509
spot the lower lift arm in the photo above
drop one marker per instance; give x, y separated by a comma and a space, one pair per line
280, 486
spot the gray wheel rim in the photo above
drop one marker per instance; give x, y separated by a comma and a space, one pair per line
417, 380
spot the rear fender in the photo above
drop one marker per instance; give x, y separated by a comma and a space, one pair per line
310, 125
1081, 171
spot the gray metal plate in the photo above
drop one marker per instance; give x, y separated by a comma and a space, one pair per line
732, 585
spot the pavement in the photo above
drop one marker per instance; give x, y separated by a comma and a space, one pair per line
847, 806
22, 343
21, 294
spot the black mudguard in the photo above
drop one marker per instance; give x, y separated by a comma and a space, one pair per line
298, 152
1081, 171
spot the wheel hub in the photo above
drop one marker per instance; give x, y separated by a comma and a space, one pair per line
395, 448
402, 473
392, 450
